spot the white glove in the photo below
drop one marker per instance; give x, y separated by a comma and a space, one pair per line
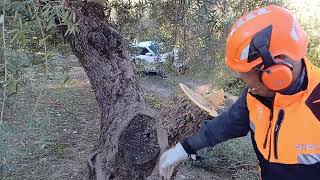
170, 158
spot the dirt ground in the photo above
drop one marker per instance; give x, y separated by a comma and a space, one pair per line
50, 127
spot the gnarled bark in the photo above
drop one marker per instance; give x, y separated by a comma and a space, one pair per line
128, 147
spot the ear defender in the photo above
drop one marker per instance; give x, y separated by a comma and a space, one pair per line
276, 73
278, 76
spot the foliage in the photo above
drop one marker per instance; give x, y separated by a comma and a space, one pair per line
307, 14
27, 44
197, 28
29, 38
312, 26
28, 31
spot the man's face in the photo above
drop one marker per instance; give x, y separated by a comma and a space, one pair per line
256, 87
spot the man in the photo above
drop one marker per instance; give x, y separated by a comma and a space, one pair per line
280, 106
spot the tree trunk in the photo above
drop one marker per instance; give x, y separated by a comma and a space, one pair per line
128, 145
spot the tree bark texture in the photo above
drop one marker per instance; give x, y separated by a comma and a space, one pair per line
128, 147
130, 135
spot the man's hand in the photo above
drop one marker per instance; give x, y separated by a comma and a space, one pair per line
169, 158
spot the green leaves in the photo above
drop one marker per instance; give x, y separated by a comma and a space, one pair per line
66, 79
19, 37
31, 37
11, 86
56, 14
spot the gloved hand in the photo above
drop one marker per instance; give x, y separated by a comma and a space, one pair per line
170, 158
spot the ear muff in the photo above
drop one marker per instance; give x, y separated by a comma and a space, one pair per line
278, 76
276, 73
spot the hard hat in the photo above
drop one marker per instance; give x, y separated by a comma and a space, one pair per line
259, 36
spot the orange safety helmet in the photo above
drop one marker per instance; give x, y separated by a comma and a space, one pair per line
259, 36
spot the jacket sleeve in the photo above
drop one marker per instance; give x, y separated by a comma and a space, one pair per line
230, 124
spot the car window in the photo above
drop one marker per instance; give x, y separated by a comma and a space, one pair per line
139, 50
155, 47
144, 51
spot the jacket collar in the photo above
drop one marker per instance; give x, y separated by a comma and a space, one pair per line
283, 100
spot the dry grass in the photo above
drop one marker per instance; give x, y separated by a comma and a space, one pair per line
234, 160
54, 142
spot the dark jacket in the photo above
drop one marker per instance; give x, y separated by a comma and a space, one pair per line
235, 122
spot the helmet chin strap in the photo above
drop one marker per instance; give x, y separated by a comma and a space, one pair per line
261, 44
263, 70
